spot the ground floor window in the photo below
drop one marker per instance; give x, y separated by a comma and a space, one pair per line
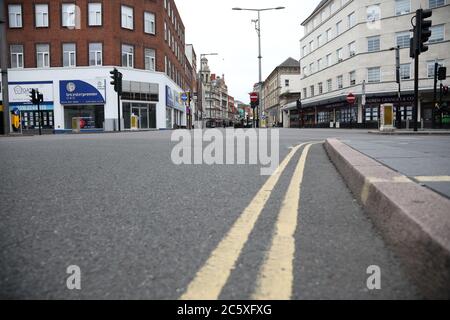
93, 117
348, 115
169, 118
324, 117
144, 113
30, 119
372, 114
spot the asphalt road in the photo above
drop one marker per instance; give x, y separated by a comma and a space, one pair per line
140, 227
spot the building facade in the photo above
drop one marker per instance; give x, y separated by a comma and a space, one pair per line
66, 49
348, 48
280, 88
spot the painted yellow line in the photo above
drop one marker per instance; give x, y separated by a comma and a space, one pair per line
433, 179
275, 279
211, 278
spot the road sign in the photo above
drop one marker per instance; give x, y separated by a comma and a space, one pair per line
351, 98
184, 97
254, 97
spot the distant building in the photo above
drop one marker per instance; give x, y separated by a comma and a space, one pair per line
280, 88
347, 45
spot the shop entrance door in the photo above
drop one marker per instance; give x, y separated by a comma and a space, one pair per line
142, 114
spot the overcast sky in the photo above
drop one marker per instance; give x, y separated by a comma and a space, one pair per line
211, 26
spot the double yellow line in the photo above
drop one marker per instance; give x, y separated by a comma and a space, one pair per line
276, 275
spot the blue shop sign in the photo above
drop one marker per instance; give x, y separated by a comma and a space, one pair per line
77, 92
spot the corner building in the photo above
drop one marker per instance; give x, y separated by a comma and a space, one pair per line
66, 49
347, 46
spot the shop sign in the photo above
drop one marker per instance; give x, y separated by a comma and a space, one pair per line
19, 92
78, 92
169, 97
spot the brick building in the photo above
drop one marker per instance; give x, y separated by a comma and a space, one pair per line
67, 49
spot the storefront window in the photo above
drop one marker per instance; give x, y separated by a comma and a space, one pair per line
169, 118
144, 112
93, 116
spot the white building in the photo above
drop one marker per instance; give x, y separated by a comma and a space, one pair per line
347, 43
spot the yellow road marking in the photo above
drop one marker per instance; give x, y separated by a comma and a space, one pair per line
433, 179
211, 278
276, 275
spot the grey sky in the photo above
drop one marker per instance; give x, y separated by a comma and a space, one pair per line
211, 26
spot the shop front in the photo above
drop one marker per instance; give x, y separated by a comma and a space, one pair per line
83, 102
175, 109
26, 117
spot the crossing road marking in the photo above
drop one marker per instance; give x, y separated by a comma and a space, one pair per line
276, 275
433, 179
212, 277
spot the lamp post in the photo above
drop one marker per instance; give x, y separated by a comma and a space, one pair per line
203, 55
4, 67
258, 31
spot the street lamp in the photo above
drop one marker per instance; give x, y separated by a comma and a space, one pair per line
258, 30
201, 77
398, 79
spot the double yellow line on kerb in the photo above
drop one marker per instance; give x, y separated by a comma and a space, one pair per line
276, 275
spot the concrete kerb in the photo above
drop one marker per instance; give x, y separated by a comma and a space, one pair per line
413, 220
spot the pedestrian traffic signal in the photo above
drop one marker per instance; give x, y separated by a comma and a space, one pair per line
423, 29
445, 90
117, 77
34, 96
442, 73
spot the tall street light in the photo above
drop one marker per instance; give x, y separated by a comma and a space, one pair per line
258, 30
203, 55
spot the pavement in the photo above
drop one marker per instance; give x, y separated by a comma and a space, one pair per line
140, 227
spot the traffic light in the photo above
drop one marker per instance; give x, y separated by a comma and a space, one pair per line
299, 104
254, 104
40, 97
445, 90
117, 77
423, 31
34, 96
442, 73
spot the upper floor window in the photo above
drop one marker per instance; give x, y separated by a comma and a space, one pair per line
311, 46
150, 59
339, 28
374, 74
437, 34
403, 39
329, 35
15, 15
340, 82
95, 14
41, 15
16, 51
95, 54
340, 55
402, 7
431, 66
405, 71
373, 44
43, 55
127, 18
436, 3
352, 78
68, 15
69, 55
286, 83
149, 23
127, 56
352, 48
320, 40
373, 13
351, 20
330, 85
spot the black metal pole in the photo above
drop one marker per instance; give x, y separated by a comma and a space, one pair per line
118, 112
416, 90
436, 66
440, 104
40, 114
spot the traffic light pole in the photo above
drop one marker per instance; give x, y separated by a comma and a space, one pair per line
39, 112
436, 66
416, 91
4, 68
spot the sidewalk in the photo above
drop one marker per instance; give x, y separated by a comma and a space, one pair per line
411, 132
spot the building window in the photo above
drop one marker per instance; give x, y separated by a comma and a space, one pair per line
437, 34
320, 40
373, 44
127, 56
95, 14
329, 62
351, 20
339, 28
374, 75
353, 78
150, 59
340, 82
305, 93
15, 15
149, 23
16, 56
127, 18
43, 55
69, 55
311, 46
286, 83
95, 54
352, 49
330, 85
430, 67
402, 7
340, 55
312, 91
403, 39
329, 35
405, 71
320, 63
320, 87
41, 15
312, 68
436, 3
68, 15
373, 13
